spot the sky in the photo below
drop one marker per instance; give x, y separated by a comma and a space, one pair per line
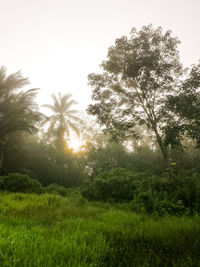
57, 43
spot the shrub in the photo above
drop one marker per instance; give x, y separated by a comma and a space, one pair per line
164, 195
150, 202
147, 193
16, 182
56, 189
117, 185
187, 189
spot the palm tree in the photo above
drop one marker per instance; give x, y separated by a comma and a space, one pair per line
63, 118
18, 111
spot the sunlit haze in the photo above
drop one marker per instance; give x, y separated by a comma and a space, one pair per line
57, 43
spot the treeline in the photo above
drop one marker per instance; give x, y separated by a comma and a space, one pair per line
48, 163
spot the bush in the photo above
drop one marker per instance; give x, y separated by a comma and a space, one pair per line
56, 189
116, 185
163, 195
187, 189
16, 182
150, 194
150, 202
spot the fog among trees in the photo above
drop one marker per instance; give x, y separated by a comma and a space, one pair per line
139, 152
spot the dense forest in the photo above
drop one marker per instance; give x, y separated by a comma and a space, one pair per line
139, 161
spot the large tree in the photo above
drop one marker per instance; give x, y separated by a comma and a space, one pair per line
18, 111
137, 77
63, 118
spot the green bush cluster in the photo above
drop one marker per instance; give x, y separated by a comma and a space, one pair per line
115, 185
56, 189
172, 196
147, 193
15, 182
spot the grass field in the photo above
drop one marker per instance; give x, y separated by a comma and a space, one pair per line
49, 230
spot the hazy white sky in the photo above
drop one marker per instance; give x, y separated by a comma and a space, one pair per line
57, 43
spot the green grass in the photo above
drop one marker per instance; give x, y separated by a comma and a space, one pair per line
49, 230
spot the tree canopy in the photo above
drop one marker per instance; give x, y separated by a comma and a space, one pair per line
184, 107
138, 76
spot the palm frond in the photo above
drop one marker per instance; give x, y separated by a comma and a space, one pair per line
74, 118
18, 111
2, 74
64, 99
56, 102
45, 120
72, 111
74, 128
69, 104
9, 85
51, 107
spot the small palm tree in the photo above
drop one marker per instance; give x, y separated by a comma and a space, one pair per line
63, 118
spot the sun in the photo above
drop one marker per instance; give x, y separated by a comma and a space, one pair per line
75, 143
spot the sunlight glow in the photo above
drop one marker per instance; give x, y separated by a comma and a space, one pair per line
76, 144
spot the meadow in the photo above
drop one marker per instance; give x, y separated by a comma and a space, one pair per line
50, 230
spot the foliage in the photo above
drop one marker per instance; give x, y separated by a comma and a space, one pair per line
146, 192
16, 182
46, 163
138, 75
145, 159
18, 111
63, 118
43, 161
56, 189
117, 185
185, 105
105, 157
168, 196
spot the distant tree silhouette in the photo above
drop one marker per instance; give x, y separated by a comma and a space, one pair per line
18, 111
63, 118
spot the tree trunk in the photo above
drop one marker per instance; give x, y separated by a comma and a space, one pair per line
165, 154
1, 158
167, 164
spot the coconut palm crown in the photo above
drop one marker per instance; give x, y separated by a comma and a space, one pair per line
63, 118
